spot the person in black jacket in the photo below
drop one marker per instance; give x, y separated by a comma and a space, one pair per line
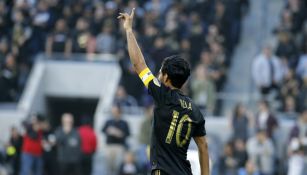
14, 150
68, 147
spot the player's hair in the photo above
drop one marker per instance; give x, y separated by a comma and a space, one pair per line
177, 69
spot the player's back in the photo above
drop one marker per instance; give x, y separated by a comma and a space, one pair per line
176, 121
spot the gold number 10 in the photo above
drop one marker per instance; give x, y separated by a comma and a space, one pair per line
172, 128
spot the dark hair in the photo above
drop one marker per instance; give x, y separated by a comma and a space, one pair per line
177, 69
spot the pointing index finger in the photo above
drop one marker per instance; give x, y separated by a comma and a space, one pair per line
132, 13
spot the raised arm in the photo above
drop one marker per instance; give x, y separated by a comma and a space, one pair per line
203, 154
134, 50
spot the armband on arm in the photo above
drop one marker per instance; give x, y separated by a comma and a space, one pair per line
146, 76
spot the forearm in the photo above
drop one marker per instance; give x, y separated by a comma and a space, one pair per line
135, 52
204, 160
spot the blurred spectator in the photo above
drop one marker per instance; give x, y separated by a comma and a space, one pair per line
261, 151
59, 40
228, 162
265, 120
116, 131
302, 96
221, 19
4, 18
123, 99
159, 51
145, 131
297, 14
286, 48
196, 37
144, 140
286, 21
106, 41
8, 79
32, 150
219, 63
88, 145
21, 34
240, 123
129, 166
4, 49
301, 69
249, 169
68, 146
266, 71
214, 35
290, 87
289, 107
130, 80
296, 162
203, 89
215, 70
157, 6
49, 151
40, 24
300, 128
82, 40
13, 150
240, 152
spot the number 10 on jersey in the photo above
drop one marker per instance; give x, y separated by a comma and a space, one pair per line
173, 126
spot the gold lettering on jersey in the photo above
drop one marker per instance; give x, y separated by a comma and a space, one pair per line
185, 105
179, 142
172, 127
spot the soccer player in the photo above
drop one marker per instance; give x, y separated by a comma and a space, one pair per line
176, 117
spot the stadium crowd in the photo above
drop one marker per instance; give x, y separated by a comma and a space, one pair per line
195, 29
283, 71
253, 148
204, 31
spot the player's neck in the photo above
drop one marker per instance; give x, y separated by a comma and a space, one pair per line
172, 87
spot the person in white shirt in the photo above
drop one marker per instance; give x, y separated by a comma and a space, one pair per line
301, 69
267, 71
261, 151
296, 158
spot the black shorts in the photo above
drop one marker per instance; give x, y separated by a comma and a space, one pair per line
158, 172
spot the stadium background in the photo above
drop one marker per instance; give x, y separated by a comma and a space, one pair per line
70, 56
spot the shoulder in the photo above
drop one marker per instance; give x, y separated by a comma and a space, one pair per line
109, 121
124, 122
196, 112
155, 83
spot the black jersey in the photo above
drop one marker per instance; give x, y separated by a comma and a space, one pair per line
176, 121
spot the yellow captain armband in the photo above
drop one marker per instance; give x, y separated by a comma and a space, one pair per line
146, 76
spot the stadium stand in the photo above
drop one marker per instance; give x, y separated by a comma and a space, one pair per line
66, 56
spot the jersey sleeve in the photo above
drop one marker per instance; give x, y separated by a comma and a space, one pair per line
155, 88
200, 129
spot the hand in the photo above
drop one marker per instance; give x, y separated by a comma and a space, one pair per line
127, 20
113, 131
